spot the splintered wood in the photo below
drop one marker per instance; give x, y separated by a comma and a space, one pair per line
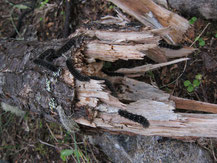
140, 70
114, 52
126, 45
155, 16
138, 97
158, 108
114, 45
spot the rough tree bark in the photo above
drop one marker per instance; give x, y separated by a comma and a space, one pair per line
27, 85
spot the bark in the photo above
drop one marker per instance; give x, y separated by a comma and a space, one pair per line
27, 85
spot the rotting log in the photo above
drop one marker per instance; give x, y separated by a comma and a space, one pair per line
31, 87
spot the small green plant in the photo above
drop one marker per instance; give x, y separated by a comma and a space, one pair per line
76, 153
196, 82
193, 20
41, 148
62, 13
151, 74
216, 35
65, 153
20, 6
111, 7
43, 3
201, 41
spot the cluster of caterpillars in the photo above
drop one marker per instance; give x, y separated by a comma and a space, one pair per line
46, 58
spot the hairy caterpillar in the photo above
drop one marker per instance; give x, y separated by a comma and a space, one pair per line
73, 41
75, 73
134, 117
164, 44
46, 53
46, 65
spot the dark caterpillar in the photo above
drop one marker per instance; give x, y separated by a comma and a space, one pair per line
134, 117
51, 54
164, 44
107, 83
46, 64
46, 53
75, 73
76, 41
80, 77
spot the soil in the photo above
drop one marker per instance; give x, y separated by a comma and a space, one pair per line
32, 139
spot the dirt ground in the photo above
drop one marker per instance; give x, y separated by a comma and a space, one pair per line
32, 139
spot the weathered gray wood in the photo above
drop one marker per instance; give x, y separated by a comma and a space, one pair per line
156, 106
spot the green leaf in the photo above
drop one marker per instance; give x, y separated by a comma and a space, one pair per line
65, 153
63, 157
190, 88
111, 7
193, 20
62, 13
187, 83
196, 83
201, 42
44, 3
198, 77
77, 154
216, 35
20, 6
197, 38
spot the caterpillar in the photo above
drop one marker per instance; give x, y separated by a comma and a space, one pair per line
46, 53
51, 54
75, 73
73, 41
164, 44
46, 64
134, 117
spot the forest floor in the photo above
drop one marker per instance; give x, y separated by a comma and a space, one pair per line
31, 138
